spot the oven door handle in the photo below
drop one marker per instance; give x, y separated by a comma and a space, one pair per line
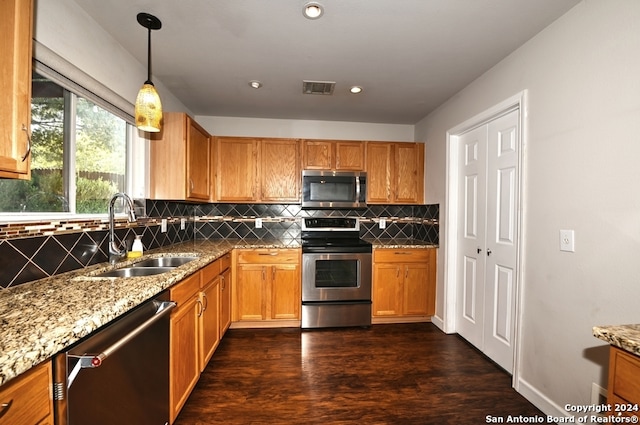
95, 360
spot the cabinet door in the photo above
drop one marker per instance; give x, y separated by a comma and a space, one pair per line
350, 156
209, 331
250, 292
387, 289
409, 173
416, 290
26, 399
198, 163
379, 172
285, 292
225, 301
280, 170
236, 169
184, 357
317, 155
16, 21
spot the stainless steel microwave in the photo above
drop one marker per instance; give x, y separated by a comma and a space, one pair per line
334, 189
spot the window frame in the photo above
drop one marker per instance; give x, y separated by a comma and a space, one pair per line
136, 145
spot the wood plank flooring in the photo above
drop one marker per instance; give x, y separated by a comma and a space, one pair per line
386, 374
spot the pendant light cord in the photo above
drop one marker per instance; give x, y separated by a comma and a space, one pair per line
149, 59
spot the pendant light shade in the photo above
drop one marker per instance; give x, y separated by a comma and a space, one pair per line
148, 108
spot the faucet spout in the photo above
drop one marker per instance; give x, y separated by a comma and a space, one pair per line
115, 251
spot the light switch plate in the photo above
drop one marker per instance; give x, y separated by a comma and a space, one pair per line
382, 223
182, 223
258, 223
163, 226
567, 241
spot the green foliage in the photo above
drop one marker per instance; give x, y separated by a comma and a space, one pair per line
93, 195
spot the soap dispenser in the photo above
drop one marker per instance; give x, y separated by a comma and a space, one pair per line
136, 248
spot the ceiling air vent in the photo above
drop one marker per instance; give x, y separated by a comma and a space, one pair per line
318, 87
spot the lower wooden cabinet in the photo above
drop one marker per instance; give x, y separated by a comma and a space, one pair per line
27, 399
267, 285
624, 381
197, 324
184, 363
404, 283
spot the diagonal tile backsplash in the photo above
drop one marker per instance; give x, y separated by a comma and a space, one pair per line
30, 251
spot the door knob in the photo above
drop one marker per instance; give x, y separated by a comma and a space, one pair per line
479, 250
488, 252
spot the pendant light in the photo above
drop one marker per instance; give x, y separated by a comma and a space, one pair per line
148, 106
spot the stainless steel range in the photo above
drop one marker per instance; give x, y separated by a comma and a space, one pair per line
336, 273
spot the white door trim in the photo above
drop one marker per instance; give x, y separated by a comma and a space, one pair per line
518, 101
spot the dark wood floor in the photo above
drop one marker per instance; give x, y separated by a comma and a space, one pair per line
387, 374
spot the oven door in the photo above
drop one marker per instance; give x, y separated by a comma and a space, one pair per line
336, 277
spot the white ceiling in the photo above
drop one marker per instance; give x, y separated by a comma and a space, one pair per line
409, 55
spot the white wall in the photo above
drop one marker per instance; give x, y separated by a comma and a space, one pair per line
64, 28
581, 168
259, 127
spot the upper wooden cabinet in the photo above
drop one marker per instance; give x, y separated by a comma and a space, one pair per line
180, 160
395, 173
333, 155
16, 21
257, 170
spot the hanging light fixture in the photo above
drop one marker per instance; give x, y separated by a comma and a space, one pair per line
148, 106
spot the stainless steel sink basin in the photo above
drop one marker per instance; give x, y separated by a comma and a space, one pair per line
164, 262
135, 271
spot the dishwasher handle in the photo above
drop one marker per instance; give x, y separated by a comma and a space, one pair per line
164, 308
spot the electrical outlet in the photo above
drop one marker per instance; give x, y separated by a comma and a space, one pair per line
182, 223
163, 225
382, 224
258, 223
567, 241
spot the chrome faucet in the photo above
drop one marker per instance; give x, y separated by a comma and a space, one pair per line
115, 252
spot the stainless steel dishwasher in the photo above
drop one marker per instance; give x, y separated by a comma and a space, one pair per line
120, 373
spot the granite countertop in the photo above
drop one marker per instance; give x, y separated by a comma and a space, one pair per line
626, 337
41, 318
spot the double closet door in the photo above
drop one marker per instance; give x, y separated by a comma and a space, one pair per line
487, 233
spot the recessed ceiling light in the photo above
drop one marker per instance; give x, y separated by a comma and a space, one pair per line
355, 89
255, 84
312, 10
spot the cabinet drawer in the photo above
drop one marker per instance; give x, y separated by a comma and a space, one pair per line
387, 255
210, 272
225, 262
182, 291
626, 374
268, 256
28, 397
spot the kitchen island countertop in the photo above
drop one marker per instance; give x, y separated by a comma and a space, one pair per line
41, 318
626, 337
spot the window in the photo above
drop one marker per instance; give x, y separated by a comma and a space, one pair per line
79, 155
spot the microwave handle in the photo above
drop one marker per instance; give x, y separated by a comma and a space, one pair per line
357, 188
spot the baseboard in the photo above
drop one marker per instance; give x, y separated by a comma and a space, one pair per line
436, 320
265, 324
406, 319
539, 400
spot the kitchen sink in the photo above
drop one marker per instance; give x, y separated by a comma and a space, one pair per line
135, 271
164, 262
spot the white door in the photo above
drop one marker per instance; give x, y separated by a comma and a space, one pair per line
487, 242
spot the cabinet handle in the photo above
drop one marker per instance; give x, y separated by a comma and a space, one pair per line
273, 274
401, 253
223, 282
26, 154
406, 272
5, 408
206, 302
191, 184
268, 253
263, 274
397, 271
201, 310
